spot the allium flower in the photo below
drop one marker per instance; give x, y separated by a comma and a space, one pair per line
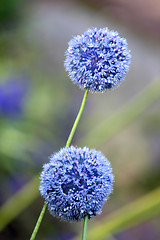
12, 94
76, 182
97, 59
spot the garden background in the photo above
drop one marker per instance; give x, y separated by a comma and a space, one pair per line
38, 105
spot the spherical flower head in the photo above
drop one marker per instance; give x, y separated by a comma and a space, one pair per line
97, 59
76, 182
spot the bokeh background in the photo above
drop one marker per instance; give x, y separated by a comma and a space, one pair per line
38, 105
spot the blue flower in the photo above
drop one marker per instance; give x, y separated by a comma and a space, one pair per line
97, 59
76, 182
12, 94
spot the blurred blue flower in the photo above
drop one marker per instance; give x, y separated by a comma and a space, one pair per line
97, 59
12, 94
76, 182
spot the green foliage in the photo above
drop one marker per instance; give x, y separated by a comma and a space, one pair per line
18, 202
122, 118
142, 209
8, 12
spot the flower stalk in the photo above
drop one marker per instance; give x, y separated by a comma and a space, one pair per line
84, 233
77, 119
36, 228
39, 222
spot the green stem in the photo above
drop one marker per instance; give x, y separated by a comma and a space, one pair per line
67, 145
38, 222
77, 119
84, 234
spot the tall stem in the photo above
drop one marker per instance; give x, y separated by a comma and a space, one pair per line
67, 145
38, 222
84, 233
77, 119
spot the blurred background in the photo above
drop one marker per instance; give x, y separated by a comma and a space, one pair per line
38, 105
